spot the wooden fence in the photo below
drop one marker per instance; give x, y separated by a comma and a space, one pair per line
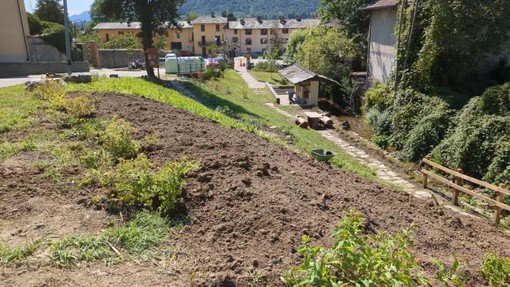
457, 184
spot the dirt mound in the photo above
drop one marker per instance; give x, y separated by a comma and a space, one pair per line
251, 202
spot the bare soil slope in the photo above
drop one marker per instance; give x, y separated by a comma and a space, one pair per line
250, 203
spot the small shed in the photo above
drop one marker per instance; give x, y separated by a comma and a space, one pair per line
184, 65
306, 83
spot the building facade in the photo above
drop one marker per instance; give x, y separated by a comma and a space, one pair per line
13, 32
207, 34
381, 42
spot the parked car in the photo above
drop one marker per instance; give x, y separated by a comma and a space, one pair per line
185, 53
170, 55
212, 62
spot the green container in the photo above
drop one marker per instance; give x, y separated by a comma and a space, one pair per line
323, 155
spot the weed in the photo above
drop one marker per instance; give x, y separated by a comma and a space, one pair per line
145, 231
18, 253
8, 149
118, 140
80, 106
52, 91
358, 260
134, 184
496, 270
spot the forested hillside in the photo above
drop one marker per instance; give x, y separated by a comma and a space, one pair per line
242, 8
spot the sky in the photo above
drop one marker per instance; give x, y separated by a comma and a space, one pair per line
74, 7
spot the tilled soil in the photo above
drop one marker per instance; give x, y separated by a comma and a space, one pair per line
250, 203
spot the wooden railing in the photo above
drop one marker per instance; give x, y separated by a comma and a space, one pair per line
457, 184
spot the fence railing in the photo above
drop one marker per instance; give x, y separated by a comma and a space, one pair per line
457, 184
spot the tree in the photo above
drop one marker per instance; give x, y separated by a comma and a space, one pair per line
127, 41
154, 15
352, 20
50, 10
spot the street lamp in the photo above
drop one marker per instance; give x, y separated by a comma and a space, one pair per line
75, 28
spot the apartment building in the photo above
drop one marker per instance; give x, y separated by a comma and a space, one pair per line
253, 35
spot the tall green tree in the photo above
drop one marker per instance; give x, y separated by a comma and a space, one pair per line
49, 10
154, 15
347, 12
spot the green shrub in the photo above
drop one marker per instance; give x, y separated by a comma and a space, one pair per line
379, 121
52, 91
266, 66
118, 139
379, 96
496, 100
135, 184
355, 259
496, 270
80, 106
382, 141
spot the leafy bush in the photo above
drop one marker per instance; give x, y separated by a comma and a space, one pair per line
379, 96
136, 183
34, 24
379, 121
53, 91
496, 270
117, 139
357, 260
80, 106
382, 141
266, 66
496, 100
127, 41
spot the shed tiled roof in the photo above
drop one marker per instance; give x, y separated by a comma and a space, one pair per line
131, 25
297, 74
380, 4
253, 23
209, 20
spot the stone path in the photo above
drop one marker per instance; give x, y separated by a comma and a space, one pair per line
247, 77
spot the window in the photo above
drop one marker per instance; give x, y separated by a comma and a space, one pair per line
248, 41
235, 39
107, 37
176, 45
263, 32
247, 31
263, 41
285, 31
177, 35
235, 32
202, 28
217, 27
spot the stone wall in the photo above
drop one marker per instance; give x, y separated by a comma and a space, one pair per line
118, 58
42, 52
23, 69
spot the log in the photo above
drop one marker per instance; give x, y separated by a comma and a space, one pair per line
326, 121
301, 122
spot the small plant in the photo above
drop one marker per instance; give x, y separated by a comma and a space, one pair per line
358, 260
134, 184
145, 231
53, 91
117, 139
19, 253
496, 270
81, 106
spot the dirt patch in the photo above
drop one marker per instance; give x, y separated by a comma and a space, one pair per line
250, 203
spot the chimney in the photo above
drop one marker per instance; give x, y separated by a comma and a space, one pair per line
282, 20
298, 18
212, 14
242, 21
259, 19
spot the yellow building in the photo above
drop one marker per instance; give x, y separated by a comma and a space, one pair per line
13, 32
208, 31
177, 39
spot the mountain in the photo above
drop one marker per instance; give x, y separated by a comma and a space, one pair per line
242, 8
84, 16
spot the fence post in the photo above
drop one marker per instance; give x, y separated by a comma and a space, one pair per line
497, 210
456, 192
425, 176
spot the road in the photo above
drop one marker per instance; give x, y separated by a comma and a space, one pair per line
7, 82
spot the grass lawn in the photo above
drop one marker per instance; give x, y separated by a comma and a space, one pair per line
273, 78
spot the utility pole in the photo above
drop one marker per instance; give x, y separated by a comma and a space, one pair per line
68, 42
